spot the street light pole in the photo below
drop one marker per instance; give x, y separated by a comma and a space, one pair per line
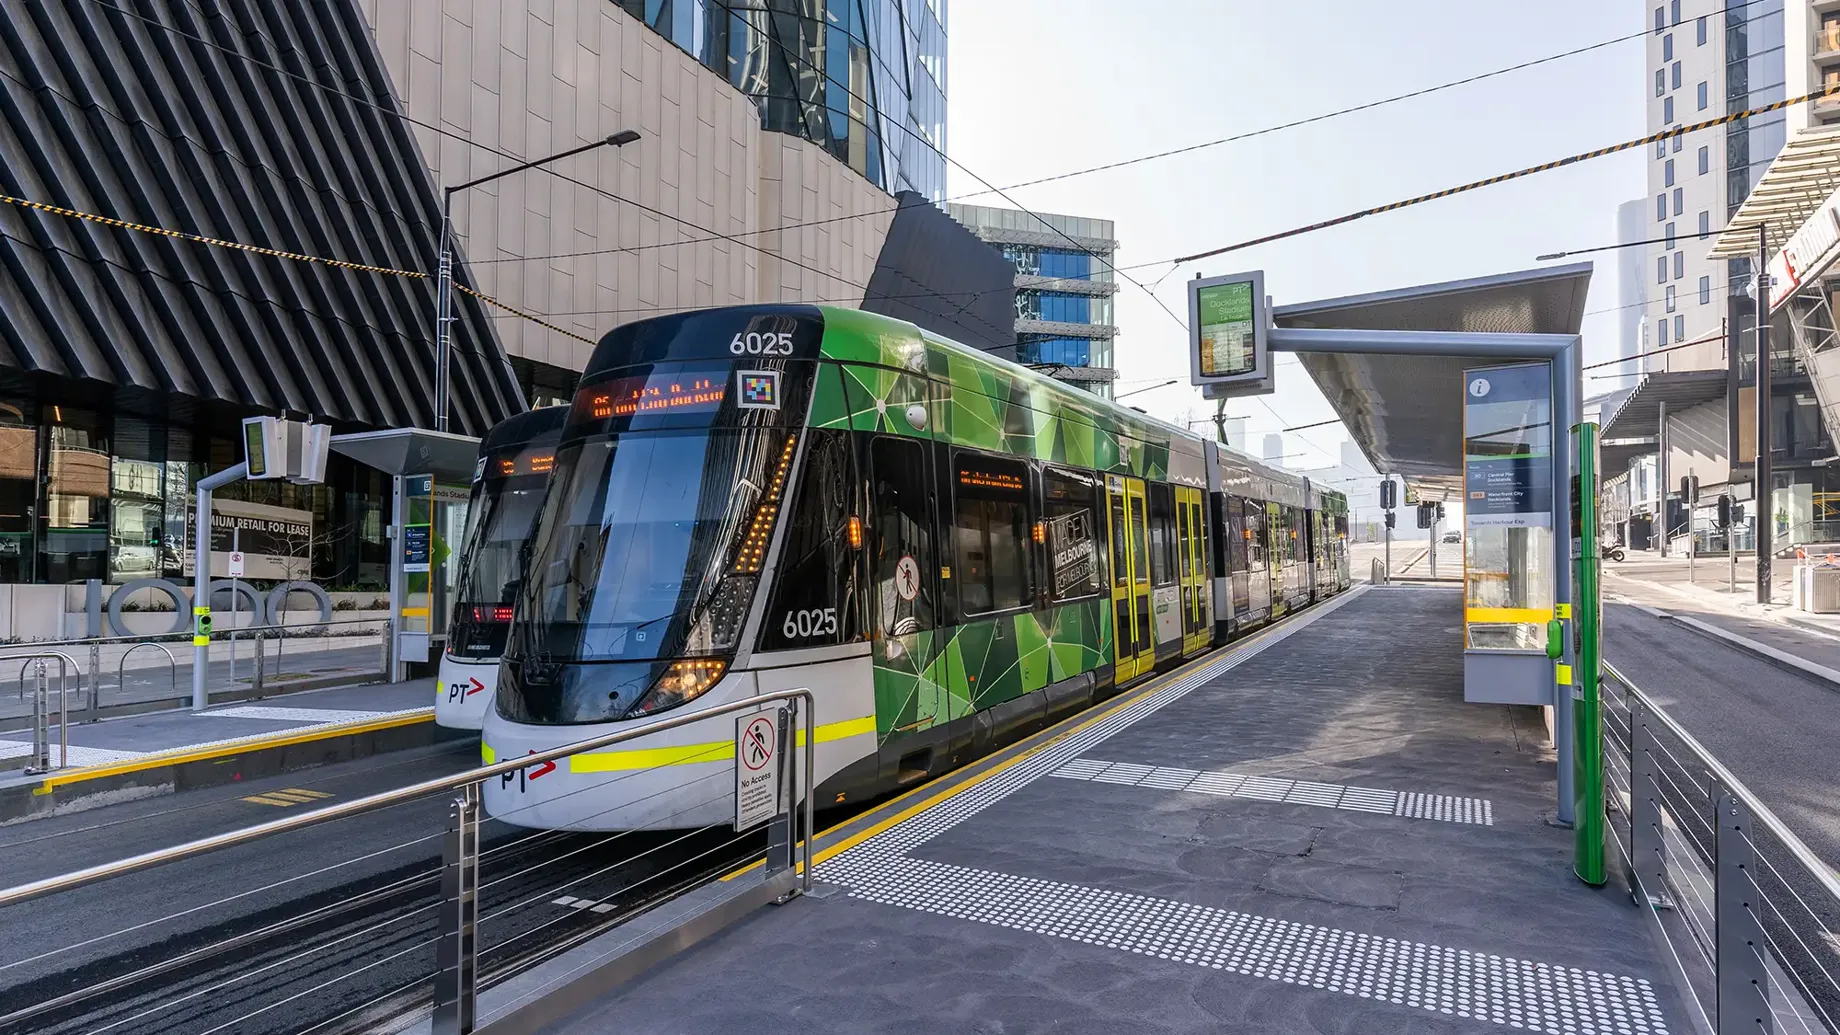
1766, 515
444, 276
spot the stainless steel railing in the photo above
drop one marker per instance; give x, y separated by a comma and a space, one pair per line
456, 976
1747, 909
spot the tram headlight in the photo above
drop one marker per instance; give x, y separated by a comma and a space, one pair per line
682, 681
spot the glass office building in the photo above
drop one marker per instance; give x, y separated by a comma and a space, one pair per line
1064, 289
864, 78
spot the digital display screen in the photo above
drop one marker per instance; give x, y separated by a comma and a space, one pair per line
980, 479
1225, 325
253, 452
678, 392
512, 464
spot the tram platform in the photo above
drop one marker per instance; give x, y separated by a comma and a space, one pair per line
136, 756
1308, 832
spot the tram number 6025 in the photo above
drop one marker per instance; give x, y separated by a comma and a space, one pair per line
803, 625
762, 344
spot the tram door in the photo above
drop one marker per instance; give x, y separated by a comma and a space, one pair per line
1191, 568
1131, 630
1278, 548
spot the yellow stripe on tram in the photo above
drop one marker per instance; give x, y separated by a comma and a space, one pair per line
1509, 615
627, 759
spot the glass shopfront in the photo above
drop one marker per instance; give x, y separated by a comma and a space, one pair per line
87, 493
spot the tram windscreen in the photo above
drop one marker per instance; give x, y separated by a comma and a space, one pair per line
505, 502
650, 544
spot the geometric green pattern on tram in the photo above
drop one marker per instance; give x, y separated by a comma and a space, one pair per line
976, 400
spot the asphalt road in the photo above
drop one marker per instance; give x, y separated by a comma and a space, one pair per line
317, 930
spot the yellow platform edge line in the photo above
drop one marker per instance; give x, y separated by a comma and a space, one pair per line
178, 757
1124, 700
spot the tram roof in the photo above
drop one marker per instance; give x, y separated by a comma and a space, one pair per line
1406, 412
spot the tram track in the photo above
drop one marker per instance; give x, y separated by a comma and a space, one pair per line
305, 963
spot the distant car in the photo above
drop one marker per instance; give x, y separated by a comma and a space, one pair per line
1452, 537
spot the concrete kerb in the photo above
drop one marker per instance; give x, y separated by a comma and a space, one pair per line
1780, 658
214, 765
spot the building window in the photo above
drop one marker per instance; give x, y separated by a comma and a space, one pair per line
1670, 235
1676, 76
1705, 225
1702, 30
1674, 11
1676, 143
1680, 328
1661, 208
1670, 298
1663, 333
1667, 47
1660, 82
1661, 269
1667, 173
1667, 110
1660, 20
1705, 160
990, 533
1702, 95
1705, 291
1679, 201
1680, 265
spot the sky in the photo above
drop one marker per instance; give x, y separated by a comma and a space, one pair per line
1040, 87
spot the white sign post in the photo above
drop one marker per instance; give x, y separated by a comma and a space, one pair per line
757, 768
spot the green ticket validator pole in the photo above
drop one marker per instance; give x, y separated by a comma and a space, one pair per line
1587, 642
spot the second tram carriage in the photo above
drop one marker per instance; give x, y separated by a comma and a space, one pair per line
949, 550
515, 458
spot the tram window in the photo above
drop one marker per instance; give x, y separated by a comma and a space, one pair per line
990, 533
1162, 536
814, 593
1233, 527
1121, 570
903, 530
1068, 498
1253, 534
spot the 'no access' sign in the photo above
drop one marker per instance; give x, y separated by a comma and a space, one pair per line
757, 768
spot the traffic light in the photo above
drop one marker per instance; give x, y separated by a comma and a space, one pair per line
1689, 489
1426, 512
1440, 511
1725, 510
1389, 495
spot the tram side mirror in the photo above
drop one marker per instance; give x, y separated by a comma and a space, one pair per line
1555, 639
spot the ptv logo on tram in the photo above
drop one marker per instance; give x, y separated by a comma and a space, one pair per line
462, 691
526, 774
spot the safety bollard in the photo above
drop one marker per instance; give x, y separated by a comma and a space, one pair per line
41, 724
456, 954
257, 681
95, 683
1743, 979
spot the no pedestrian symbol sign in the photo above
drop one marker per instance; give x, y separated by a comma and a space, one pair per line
757, 762
236, 564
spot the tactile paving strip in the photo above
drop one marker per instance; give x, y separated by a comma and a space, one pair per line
1514, 992
1517, 993
1411, 804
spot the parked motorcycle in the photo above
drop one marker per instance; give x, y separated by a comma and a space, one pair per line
1614, 553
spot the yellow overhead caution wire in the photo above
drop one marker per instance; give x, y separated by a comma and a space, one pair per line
532, 317
1504, 177
60, 210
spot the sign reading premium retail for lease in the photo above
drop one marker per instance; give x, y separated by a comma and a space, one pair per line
1507, 446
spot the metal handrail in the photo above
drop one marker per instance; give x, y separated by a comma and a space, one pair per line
63, 673
357, 806
171, 663
179, 637
1759, 811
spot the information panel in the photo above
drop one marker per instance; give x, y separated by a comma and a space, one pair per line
1227, 319
1508, 561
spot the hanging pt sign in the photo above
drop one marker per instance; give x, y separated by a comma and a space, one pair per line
1227, 322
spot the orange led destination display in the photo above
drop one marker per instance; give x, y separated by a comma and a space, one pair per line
631, 395
524, 463
989, 479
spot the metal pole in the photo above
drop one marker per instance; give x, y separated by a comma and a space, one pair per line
236, 546
456, 954
1567, 378
1731, 549
201, 580
443, 308
1766, 516
95, 683
1432, 550
810, 708
1743, 992
41, 723
1692, 503
1647, 845
1661, 473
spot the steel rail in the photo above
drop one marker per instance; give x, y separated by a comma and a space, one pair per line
1759, 811
358, 806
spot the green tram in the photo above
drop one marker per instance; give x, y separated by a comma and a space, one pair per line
951, 551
